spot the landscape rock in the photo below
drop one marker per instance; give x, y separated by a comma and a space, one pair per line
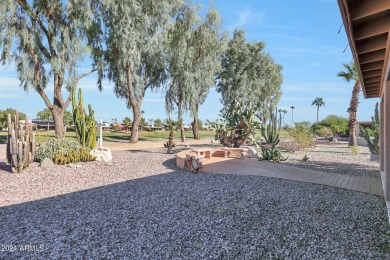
334, 140
251, 153
72, 165
102, 155
47, 163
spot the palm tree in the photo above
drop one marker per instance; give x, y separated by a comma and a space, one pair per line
319, 102
284, 114
280, 117
348, 75
292, 115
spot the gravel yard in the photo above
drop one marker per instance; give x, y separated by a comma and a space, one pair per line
336, 159
143, 207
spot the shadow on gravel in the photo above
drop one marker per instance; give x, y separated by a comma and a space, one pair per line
180, 215
337, 168
5, 167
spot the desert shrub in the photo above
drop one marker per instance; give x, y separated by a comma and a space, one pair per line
303, 124
338, 124
303, 137
116, 128
323, 132
61, 147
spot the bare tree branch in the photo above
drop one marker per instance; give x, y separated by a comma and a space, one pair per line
69, 99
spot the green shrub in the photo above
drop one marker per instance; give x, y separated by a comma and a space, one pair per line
54, 147
303, 137
303, 124
338, 124
116, 128
323, 132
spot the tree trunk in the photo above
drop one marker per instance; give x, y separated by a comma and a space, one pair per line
135, 125
352, 114
318, 109
292, 117
58, 117
352, 135
180, 121
195, 128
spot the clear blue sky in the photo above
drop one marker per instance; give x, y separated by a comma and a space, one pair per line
301, 35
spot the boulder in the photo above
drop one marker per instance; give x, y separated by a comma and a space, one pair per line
102, 155
334, 140
251, 152
47, 163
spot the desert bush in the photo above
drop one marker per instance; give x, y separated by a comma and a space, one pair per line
303, 124
116, 128
56, 148
338, 124
303, 137
323, 132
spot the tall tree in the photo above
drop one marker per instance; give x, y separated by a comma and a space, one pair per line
292, 115
209, 44
195, 49
249, 75
348, 75
319, 102
47, 39
45, 115
68, 118
179, 41
4, 116
284, 115
134, 50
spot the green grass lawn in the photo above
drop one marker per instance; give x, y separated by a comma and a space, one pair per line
116, 136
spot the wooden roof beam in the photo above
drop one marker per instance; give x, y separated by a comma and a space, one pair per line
372, 29
373, 79
372, 82
372, 90
363, 9
372, 73
371, 66
372, 56
372, 44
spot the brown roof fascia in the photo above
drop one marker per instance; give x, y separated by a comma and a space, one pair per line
386, 67
343, 5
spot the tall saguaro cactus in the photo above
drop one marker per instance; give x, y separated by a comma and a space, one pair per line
20, 144
85, 124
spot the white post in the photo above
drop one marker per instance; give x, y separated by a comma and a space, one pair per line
100, 134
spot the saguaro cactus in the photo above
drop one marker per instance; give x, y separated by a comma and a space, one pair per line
85, 124
20, 144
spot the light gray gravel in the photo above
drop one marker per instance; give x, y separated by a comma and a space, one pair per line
336, 159
172, 214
